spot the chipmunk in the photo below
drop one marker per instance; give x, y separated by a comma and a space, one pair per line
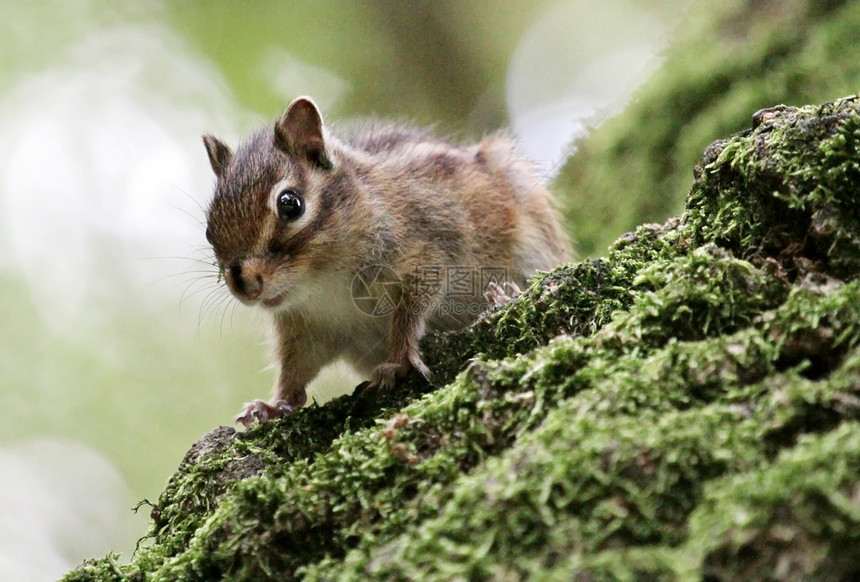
316, 229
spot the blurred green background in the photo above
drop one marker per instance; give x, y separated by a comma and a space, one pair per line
118, 346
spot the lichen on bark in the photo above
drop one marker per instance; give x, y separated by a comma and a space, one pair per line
686, 408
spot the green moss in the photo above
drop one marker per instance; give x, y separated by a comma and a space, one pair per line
617, 463
729, 59
759, 195
706, 293
107, 569
670, 412
576, 485
578, 299
798, 519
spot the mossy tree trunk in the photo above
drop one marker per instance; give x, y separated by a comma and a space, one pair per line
685, 407
730, 59
697, 415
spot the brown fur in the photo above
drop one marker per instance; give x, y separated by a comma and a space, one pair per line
443, 218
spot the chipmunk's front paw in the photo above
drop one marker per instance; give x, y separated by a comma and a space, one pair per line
385, 376
263, 411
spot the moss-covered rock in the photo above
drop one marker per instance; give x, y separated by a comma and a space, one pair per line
686, 408
729, 59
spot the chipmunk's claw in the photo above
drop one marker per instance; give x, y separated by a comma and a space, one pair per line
263, 411
386, 375
500, 294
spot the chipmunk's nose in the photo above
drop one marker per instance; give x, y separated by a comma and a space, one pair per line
244, 281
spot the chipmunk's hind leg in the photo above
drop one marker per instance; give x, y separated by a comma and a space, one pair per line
500, 294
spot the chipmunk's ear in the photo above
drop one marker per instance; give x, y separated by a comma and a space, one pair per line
219, 154
299, 132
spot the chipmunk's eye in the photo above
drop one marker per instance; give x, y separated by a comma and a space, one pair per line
290, 205
209, 235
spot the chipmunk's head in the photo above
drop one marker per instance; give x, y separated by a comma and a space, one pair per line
273, 222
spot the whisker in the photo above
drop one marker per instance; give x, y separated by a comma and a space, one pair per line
210, 303
205, 259
200, 221
220, 305
233, 316
223, 316
194, 275
190, 197
190, 291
